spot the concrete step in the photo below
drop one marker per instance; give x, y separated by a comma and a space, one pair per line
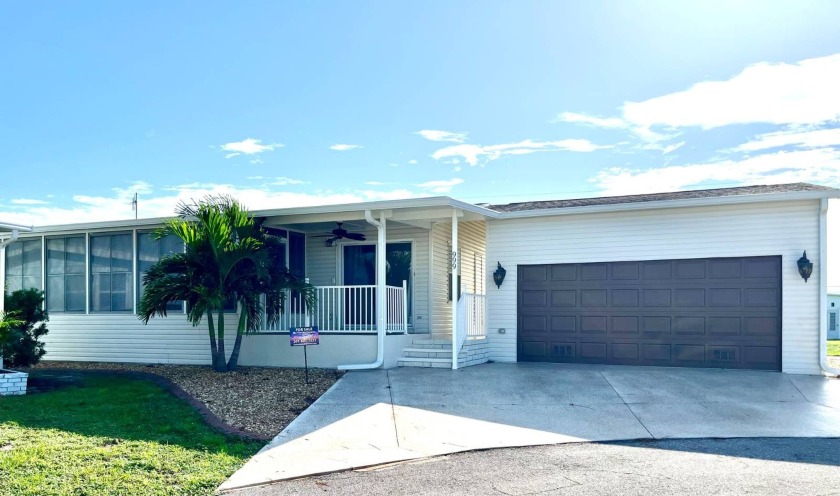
431, 353
437, 363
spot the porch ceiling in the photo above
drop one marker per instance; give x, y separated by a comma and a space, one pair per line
355, 219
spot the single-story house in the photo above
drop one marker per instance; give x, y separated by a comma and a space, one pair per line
704, 278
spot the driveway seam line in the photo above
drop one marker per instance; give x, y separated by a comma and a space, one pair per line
627, 405
393, 412
797, 389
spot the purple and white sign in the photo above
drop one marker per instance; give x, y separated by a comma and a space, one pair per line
304, 336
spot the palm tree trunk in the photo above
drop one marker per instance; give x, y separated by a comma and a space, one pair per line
240, 330
219, 361
218, 365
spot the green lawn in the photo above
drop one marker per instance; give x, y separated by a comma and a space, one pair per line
111, 436
834, 347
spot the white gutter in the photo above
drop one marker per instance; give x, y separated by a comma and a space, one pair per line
380, 295
824, 290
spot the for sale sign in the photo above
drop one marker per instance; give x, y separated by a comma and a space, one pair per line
304, 336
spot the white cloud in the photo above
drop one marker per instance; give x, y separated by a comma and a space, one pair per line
473, 154
443, 186
801, 93
285, 181
670, 148
797, 94
255, 178
117, 205
433, 135
344, 148
257, 161
820, 165
802, 139
412, 162
374, 183
248, 146
28, 201
604, 122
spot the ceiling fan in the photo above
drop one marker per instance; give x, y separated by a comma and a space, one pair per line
341, 233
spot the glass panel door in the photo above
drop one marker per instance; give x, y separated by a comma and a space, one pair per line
359, 270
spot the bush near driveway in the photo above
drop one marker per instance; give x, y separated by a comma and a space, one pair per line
834, 347
112, 435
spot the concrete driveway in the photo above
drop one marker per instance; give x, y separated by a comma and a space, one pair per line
380, 417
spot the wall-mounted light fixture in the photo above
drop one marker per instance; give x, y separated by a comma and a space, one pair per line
499, 275
805, 267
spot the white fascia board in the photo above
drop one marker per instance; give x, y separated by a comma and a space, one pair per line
689, 202
9, 226
111, 224
359, 208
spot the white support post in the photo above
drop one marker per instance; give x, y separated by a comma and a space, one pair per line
455, 261
405, 306
381, 273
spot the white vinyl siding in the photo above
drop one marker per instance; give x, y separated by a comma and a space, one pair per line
322, 264
121, 337
780, 228
471, 246
471, 241
441, 236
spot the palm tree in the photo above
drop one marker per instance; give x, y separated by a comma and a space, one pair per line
228, 256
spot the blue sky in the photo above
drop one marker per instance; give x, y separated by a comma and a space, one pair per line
296, 103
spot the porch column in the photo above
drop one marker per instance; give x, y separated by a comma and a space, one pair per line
453, 281
381, 291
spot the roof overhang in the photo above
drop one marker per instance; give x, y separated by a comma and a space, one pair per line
682, 203
417, 211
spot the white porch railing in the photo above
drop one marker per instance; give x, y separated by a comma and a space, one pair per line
345, 309
471, 318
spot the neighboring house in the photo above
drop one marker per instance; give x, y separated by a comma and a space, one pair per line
833, 316
697, 279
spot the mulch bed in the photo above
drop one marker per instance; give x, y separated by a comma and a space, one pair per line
253, 402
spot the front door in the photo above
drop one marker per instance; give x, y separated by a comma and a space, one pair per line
360, 270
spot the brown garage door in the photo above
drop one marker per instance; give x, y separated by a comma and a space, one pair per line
715, 312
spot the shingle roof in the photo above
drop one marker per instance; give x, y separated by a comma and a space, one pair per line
676, 195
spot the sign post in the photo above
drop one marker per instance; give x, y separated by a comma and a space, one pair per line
304, 336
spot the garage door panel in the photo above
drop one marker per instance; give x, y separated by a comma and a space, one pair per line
564, 298
627, 271
694, 313
724, 297
690, 269
564, 324
593, 325
725, 269
564, 273
625, 297
724, 326
656, 271
593, 272
623, 325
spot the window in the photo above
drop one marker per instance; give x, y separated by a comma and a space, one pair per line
149, 251
23, 265
66, 274
111, 273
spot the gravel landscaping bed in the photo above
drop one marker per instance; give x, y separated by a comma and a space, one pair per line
834, 361
261, 401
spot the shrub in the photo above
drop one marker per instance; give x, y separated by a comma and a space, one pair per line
24, 322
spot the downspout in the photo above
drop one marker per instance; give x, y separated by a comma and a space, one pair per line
380, 295
824, 290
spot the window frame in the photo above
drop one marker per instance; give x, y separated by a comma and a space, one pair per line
131, 272
23, 241
138, 286
84, 236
